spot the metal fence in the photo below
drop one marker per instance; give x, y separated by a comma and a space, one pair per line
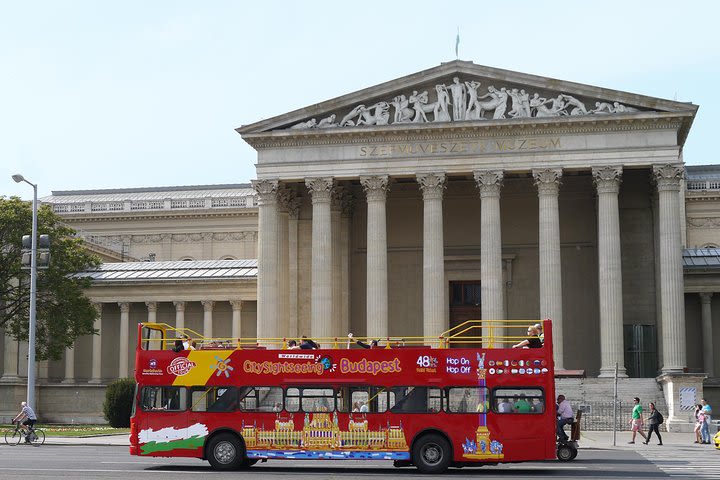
600, 416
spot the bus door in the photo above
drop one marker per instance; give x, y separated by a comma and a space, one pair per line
163, 419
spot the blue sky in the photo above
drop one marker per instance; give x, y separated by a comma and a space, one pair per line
147, 93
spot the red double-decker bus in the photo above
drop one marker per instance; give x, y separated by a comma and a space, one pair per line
465, 398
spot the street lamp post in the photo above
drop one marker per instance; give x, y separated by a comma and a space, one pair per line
33, 293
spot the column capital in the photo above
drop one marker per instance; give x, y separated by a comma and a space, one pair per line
124, 307
208, 305
489, 182
293, 207
668, 177
547, 180
236, 304
266, 191
151, 306
320, 188
179, 305
375, 186
432, 185
705, 297
607, 179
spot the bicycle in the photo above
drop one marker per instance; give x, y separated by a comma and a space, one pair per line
32, 436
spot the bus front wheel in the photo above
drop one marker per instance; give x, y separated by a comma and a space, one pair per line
225, 452
431, 453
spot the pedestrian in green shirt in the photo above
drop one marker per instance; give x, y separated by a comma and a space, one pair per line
637, 420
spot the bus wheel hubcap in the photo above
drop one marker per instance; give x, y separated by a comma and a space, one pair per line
432, 453
225, 452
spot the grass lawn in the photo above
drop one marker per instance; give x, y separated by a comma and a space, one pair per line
56, 430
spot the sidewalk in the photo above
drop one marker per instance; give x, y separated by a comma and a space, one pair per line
114, 440
604, 440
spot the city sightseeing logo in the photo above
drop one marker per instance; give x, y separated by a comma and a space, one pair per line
180, 366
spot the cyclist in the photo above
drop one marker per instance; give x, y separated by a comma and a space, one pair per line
27, 414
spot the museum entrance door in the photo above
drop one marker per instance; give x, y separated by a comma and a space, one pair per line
465, 304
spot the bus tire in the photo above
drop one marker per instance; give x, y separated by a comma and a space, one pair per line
431, 453
225, 452
565, 453
248, 462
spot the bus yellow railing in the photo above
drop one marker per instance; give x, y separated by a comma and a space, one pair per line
471, 333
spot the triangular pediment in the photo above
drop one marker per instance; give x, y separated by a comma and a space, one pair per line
458, 92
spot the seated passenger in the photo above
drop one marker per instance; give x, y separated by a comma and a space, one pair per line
364, 408
522, 405
308, 344
505, 406
534, 341
178, 347
292, 345
356, 407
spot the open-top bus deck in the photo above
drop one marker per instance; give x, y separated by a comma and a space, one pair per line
465, 398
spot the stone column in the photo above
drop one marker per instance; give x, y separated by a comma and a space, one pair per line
671, 274
489, 182
321, 296
96, 373
179, 315
376, 188
548, 185
236, 318
152, 312
285, 196
69, 365
607, 181
335, 262
124, 339
432, 186
345, 220
293, 215
708, 356
208, 318
267, 279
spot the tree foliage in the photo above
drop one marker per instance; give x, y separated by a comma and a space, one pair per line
63, 312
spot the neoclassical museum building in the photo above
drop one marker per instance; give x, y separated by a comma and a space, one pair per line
458, 192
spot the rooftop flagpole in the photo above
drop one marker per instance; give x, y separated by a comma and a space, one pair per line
457, 43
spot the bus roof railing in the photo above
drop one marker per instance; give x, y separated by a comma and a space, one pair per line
471, 334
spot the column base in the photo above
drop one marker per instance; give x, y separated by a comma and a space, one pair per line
68, 380
9, 379
95, 381
682, 391
610, 372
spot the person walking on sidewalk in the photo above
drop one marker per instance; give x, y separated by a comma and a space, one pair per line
654, 421
705, 427
637, 420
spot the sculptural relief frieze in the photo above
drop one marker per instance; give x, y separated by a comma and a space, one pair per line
464, 101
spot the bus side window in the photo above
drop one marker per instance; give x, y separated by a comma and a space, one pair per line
467, 400
292, 399
518, 400
163, 398
417, 400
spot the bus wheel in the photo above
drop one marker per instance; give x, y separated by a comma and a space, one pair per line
248, 462
225, 452
565, 453
431, 453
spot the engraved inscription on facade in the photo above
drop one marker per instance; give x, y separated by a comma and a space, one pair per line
451, 148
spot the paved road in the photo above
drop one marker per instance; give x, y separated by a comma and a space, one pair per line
110, 462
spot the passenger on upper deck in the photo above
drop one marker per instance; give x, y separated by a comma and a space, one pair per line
372, 344
535, 340
178, 347
292, 345
308, 344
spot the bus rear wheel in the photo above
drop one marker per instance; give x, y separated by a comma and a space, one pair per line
225, 452
431, 454
565, 452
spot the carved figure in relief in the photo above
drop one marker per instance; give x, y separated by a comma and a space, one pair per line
347, 119
473, 111
419, 101
441, 112
497, 102
524, 103
620, 108
403, 113
327, 122
558, 105
378, 114
603, 108
579, 107
515, 111
304, 125
535, 102
457, 90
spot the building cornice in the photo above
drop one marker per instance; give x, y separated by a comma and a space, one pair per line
159, 215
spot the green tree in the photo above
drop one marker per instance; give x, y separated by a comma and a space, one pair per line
64, 313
